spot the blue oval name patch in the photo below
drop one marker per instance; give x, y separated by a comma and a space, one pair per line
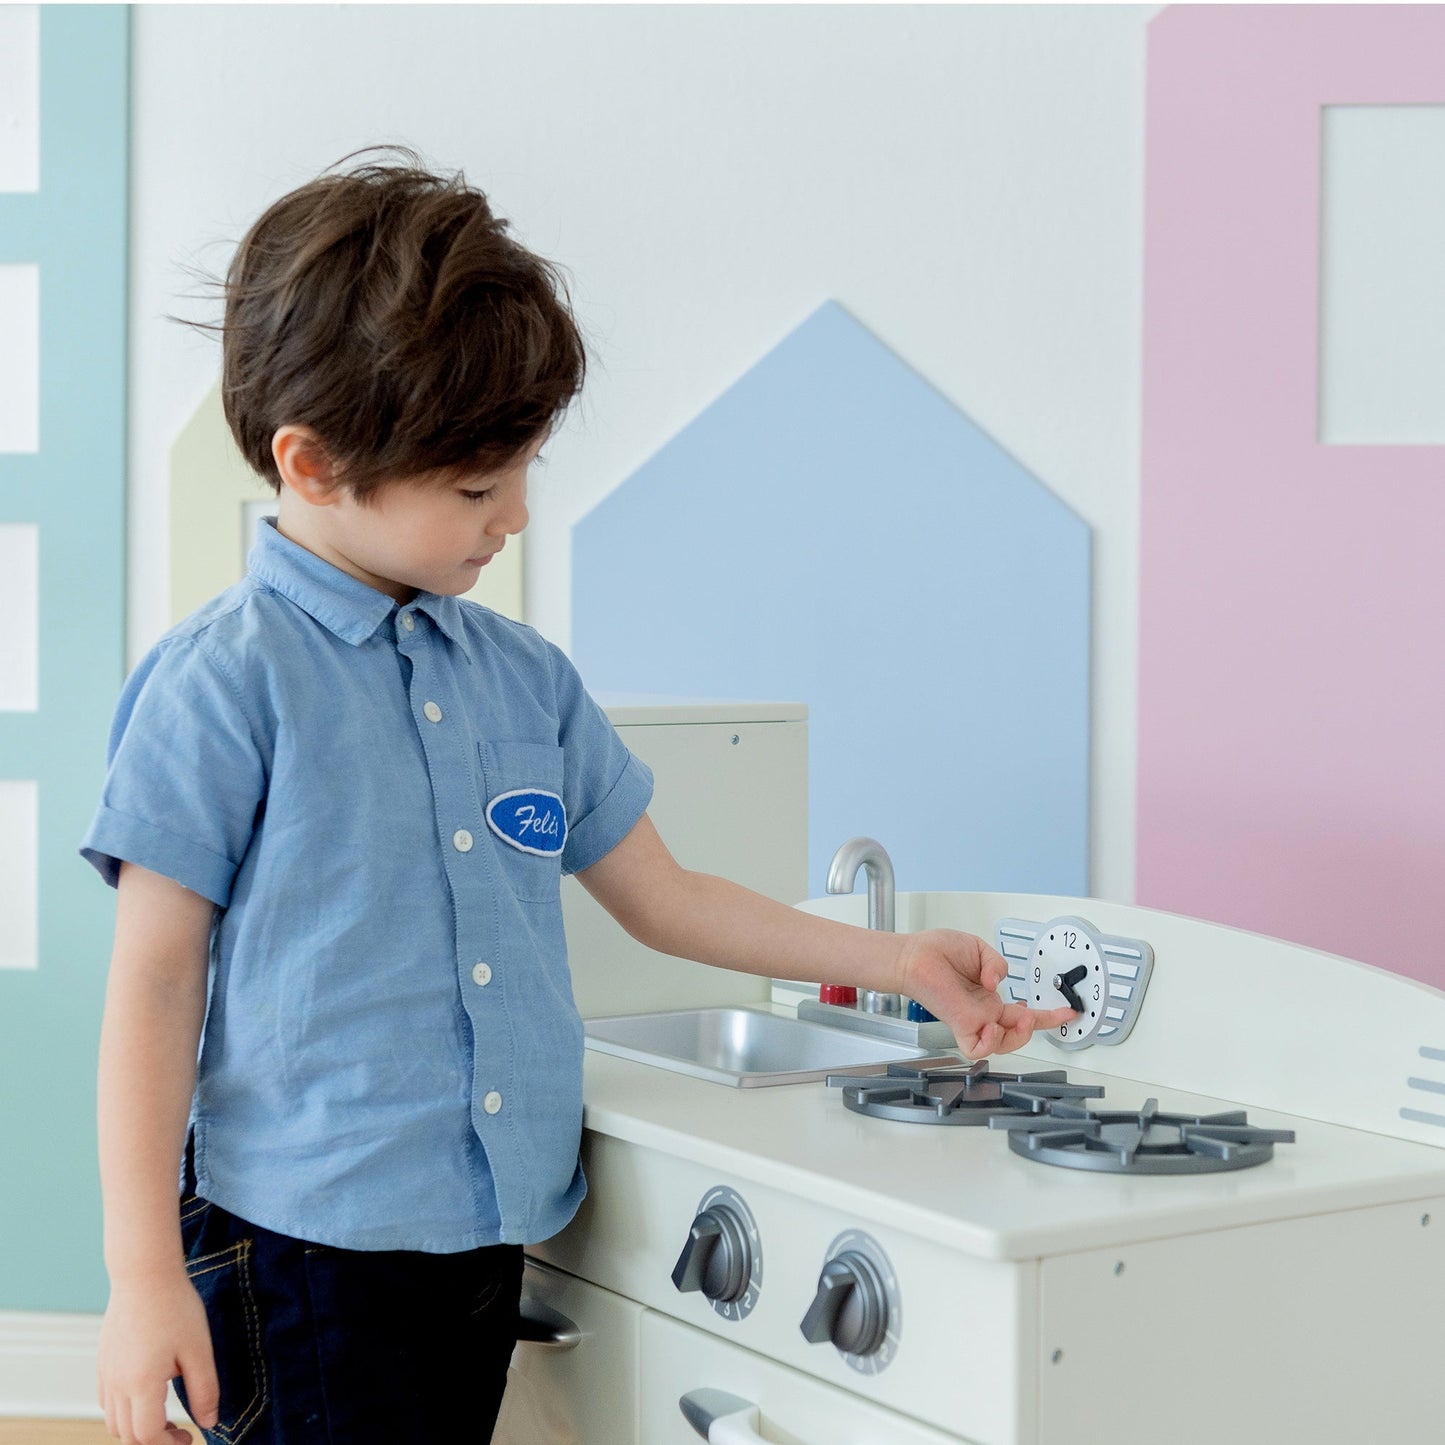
530, 819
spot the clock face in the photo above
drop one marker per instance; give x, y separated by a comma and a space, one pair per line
1067, 969
1068, 963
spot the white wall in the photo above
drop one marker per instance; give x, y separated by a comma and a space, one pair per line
965, 179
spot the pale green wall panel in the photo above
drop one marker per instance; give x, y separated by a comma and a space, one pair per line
73, 488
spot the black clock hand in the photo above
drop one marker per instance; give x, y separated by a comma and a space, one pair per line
1065, 982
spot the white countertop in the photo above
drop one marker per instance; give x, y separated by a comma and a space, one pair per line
962, 1186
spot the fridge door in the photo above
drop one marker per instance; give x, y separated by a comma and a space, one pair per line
731, 799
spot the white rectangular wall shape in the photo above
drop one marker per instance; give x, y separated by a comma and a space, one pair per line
251, 514
19, 358
19, 873
1382, 285
20, 603
19, 97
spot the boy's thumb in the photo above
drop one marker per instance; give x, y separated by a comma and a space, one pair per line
203, 1389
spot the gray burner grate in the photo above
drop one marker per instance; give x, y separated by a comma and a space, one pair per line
1141, 1142
968, 1094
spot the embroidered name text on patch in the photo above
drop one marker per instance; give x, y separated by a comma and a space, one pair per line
530, 819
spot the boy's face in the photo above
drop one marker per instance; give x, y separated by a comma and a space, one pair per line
418, 535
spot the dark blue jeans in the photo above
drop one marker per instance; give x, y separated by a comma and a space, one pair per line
323, 1346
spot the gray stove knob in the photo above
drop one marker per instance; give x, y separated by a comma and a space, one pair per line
851, 1306
717, 1258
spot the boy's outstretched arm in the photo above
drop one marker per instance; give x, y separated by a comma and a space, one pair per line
155, 1325
698, 916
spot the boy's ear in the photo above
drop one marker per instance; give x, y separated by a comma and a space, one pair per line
305, 467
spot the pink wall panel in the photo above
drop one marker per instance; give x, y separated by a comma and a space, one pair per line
1292, 635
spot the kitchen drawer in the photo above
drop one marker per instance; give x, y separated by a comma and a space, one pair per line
794, 1409
585, 1395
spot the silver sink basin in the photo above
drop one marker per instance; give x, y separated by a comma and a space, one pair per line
744, 1047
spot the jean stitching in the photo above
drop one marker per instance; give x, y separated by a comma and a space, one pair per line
189, 1214
235, 1432
240, 1255
488, 1295
223, 1257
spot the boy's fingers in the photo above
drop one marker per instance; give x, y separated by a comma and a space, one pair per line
1012, 1015
203, 1389
148, 1419
990, 1039
1051, 1018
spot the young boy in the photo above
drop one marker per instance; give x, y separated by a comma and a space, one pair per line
326, 880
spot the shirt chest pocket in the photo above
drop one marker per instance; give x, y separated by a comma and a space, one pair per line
526, 818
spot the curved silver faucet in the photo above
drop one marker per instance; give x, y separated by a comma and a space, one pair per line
871, 856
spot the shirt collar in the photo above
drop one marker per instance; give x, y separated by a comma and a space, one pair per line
446, 612
340, 602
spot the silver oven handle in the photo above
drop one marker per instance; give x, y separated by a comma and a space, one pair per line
721, 1418
540, 1324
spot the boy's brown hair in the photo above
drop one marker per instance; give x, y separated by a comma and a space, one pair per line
387, 309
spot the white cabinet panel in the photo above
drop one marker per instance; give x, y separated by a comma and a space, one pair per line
1240, 1329
633, 1222
586, 1395
793, 1409
731, 799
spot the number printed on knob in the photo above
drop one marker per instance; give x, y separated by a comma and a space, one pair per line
715, 1257
722, 1256
850, 1308
856, 1308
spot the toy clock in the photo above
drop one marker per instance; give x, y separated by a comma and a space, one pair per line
1067, 963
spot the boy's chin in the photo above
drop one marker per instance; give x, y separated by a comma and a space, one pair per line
457, 588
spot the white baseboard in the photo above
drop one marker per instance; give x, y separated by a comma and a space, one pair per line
47, 1365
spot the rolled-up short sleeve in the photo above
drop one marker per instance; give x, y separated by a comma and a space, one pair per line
605, 789
185, 775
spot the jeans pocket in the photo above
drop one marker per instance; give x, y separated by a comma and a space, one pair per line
224, 1282
193, 1215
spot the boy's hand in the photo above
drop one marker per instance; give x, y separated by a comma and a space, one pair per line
955, 976
154, 1329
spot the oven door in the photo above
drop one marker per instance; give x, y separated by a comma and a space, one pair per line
749, 1398
575, 1381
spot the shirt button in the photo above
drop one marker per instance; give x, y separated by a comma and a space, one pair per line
492, 1102
432, 712
482, 975
408, 621
462, 841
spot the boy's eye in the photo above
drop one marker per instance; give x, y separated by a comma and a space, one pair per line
478, 496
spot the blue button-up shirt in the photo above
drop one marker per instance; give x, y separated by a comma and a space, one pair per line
380, 800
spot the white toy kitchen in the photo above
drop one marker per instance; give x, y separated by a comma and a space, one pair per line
1211, 1209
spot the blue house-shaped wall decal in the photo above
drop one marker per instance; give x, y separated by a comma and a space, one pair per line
832, 530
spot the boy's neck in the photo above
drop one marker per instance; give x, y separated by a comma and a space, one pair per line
298, 523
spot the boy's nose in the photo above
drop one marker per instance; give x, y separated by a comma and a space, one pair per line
511, 521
